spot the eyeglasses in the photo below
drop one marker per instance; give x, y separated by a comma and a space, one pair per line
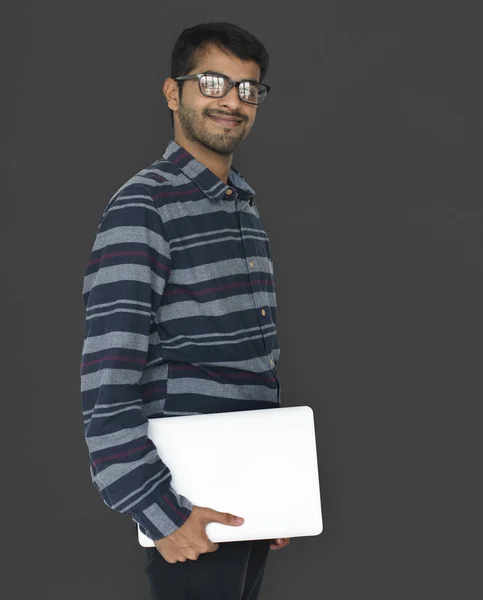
216, 85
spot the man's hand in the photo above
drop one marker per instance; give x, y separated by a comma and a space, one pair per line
190, 540
279, 543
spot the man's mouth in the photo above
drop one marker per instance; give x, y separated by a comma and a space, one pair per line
225, 121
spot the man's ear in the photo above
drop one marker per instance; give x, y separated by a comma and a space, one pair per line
170, 90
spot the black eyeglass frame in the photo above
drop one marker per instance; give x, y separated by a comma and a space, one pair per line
232, 83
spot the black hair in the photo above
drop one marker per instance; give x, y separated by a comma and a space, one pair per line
192, 42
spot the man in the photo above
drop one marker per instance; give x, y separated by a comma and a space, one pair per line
181, 314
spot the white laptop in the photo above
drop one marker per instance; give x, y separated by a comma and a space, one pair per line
257, 464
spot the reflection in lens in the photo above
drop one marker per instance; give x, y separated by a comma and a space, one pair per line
213, 85
216, 86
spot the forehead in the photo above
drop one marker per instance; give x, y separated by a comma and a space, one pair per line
216, 59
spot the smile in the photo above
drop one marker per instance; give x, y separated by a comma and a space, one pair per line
225, 122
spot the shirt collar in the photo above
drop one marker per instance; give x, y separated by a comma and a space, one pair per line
211, 185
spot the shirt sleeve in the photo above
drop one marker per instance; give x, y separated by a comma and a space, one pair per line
123, 287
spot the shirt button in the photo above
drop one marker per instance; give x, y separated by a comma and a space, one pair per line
263, 312
251, 263
229, 191
271, 361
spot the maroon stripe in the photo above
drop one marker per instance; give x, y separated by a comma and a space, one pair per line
152, 390
180, 156
190, 190
174, 508
98, 460
125, 358
244, 375
158, 177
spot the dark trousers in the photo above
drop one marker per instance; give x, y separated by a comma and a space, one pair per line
233, 572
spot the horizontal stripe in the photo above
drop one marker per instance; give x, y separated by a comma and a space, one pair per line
100, 406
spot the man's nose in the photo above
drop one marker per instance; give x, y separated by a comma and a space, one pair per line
232, 99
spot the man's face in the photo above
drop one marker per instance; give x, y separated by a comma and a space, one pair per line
196, 111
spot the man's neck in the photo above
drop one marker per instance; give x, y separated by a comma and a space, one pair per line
216, 163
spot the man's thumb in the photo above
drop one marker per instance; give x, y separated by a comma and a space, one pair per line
225, 518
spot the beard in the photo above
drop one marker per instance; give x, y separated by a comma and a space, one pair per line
195, 128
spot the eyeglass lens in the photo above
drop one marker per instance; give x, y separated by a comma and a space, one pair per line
216, 85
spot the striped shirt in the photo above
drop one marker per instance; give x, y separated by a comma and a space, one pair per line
180, 319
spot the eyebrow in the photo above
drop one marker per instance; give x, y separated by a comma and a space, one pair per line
211, 72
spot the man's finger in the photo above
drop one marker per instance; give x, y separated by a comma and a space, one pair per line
279, 543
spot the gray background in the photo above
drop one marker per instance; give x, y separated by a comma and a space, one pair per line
366, 159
